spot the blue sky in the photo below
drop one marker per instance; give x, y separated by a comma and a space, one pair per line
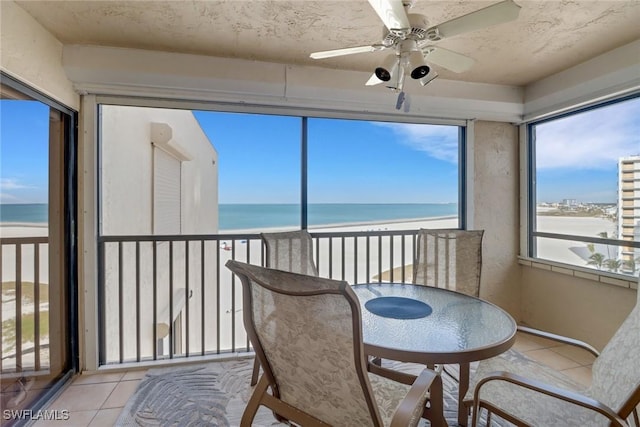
24, 151
349, 161
577, 156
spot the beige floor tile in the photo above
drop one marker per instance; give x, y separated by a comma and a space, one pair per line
83, 397
552, 359
523, 344
106, 417
98, 378
76, 419
581, 356
121, 394
539, 342
581, 374
134, 375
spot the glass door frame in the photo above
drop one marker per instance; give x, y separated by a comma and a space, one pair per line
66, 175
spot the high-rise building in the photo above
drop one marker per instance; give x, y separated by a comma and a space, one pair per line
629, 210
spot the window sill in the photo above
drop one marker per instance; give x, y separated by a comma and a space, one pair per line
608, 278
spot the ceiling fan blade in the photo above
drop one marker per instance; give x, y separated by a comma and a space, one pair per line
373, 80
345, 51
392, 14
498, 13
448, 59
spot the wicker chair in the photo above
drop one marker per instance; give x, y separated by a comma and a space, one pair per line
289, 251
449, 258
527, 393
307, 333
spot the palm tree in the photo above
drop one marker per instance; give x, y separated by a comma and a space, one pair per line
597, 259
613, 264
631, 264
605, 235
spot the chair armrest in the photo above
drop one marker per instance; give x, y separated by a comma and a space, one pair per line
410, 407
397, 376
549, 390
566, 340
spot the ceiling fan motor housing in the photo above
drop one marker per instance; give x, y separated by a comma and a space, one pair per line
417, 31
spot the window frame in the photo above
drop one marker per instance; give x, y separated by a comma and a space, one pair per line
529, 247
465, 139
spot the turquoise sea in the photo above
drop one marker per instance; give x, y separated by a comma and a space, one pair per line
24, 213
248, 216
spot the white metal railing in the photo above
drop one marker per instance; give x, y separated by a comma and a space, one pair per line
166, 297
25, 305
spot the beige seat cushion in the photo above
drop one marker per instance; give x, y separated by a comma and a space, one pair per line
389, 394
530, 406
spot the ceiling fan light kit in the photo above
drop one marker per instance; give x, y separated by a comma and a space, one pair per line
412, 40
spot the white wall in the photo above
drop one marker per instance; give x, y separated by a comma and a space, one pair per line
127, 171
132, 72
604, 76
32, 55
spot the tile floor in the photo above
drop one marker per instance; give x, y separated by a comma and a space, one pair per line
96, 400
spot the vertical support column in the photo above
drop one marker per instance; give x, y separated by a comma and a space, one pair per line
303, 175
467, 176
88, 229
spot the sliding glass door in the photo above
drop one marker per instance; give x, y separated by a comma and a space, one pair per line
37, 244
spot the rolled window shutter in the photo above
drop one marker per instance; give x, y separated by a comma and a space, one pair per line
166, 193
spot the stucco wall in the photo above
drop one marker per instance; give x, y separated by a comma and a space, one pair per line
572, 306
32, 55
496, 211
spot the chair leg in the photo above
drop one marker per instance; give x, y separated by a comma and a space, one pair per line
435, 412
256, 372
254, 402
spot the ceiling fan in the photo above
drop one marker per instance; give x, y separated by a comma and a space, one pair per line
412, 41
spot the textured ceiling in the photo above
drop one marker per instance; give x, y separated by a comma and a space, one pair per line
548, 37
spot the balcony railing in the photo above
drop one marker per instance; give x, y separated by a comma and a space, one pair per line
166, 297
24, 309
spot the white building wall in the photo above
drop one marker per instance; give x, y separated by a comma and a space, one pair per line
126, 172
126, 163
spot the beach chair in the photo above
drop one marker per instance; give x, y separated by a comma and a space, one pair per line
289, 251
450, 259
526, 392
307, 334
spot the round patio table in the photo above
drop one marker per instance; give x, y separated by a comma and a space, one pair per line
454, 328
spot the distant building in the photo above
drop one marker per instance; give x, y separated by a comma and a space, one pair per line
629, 208
570, 203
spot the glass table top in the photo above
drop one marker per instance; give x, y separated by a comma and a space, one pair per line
460, 328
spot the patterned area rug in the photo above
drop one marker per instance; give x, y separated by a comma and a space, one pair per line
215, 394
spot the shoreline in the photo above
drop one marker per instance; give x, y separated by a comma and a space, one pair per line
25, 224
319, 227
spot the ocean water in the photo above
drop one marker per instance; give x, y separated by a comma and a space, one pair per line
24, 213
248, 216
